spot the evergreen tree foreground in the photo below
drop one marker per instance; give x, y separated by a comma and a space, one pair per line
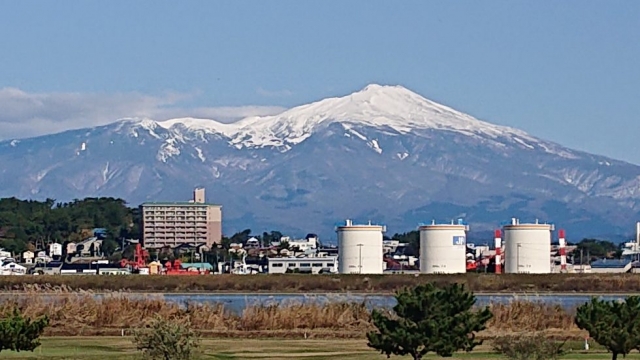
19, 333
613, 324
428, 318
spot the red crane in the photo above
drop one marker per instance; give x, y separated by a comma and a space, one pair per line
140, 257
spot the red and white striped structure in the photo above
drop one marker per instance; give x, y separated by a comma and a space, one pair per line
498, 258
562, 250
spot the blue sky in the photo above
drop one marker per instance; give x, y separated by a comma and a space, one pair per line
565, 71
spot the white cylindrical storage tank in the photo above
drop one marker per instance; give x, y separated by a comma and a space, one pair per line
360, 248
527, 248
443, 248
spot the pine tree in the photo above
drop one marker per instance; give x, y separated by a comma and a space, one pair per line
428, 318
612, 324
18, 333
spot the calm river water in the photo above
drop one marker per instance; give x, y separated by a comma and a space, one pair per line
237, 302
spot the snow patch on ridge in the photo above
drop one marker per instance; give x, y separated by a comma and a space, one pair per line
105, 172
150, 126
167, 150
206, 125
375, 146
521, 142
200, 155
352, 131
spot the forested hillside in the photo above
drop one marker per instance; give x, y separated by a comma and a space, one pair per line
27, 224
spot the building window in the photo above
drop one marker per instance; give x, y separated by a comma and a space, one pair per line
292, 265
277, 265
329, 264
317, 264
305, 265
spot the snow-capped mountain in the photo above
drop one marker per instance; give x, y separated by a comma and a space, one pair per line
383, 153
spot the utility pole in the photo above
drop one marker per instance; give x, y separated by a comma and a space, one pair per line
360, 258
518, 258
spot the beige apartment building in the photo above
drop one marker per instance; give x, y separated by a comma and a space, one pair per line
176, 223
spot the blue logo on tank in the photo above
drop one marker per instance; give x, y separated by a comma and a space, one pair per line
459, 240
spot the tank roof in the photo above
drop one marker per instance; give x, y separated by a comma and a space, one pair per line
361, 227
348, 224
515, 223
443, 226
529, 226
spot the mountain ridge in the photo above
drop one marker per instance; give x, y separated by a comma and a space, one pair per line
383, 153
361, 107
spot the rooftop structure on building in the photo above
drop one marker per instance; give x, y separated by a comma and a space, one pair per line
611, 266
176, 223
310, 242
631, 249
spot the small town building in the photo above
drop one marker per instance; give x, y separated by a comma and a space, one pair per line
155, 267
201, 266
71, 248
55, 249
175, 223
28, 256
313, 265
611, 266
11, 268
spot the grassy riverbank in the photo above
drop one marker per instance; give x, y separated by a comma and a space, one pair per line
297, 283
76, 314
116, 348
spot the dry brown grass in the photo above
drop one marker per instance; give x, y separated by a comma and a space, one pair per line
530, 316
75, 314
602, 283
85, 314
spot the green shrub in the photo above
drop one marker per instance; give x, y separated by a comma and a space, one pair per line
167, 339
528, 347
19, 333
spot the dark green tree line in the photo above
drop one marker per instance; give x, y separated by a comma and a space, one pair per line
24, 222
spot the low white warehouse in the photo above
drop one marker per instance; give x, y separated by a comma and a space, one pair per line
314, 265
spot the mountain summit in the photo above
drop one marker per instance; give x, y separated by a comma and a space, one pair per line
392, 107
383, 153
